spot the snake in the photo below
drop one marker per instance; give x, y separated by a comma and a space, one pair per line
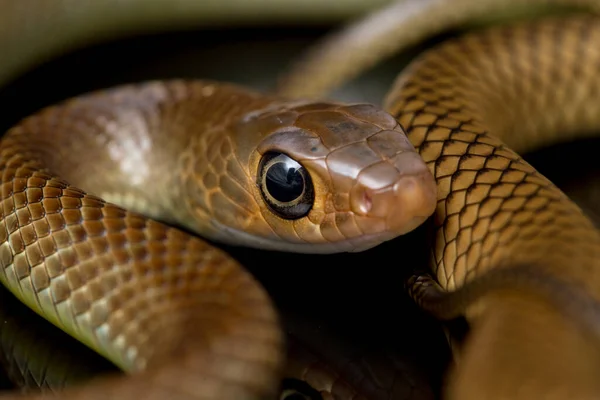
37, 357
289, 172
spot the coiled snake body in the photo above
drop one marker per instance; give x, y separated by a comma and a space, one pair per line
315, 177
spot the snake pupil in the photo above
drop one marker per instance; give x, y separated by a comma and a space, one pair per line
284, 182
285, 185
295, 396
294, 389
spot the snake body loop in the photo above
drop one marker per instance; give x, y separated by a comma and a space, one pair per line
493, 207
495, 210
130, 288
170, 308
164, 305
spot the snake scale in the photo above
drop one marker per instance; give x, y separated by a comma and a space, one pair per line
521, 259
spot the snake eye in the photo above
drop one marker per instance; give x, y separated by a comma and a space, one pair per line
285, 186
294, 389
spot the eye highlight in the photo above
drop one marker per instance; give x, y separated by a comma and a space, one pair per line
285, 185
294, 389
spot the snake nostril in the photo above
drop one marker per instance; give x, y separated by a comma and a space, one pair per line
367, 202
362, 200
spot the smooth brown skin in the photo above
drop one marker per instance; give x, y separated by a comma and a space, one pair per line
174, 311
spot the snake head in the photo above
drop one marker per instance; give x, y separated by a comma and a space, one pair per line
327, 177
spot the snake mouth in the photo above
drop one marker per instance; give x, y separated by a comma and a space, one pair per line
236, 237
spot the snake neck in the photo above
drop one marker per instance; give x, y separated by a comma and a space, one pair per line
127, 132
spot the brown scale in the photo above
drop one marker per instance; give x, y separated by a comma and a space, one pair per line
494, 209
509, 248
173, 311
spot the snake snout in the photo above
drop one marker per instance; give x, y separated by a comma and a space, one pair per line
404, 203
415, 198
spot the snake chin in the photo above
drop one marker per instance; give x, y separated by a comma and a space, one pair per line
232, 236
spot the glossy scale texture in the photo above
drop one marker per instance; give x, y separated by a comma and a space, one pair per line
161, 303
520, 345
